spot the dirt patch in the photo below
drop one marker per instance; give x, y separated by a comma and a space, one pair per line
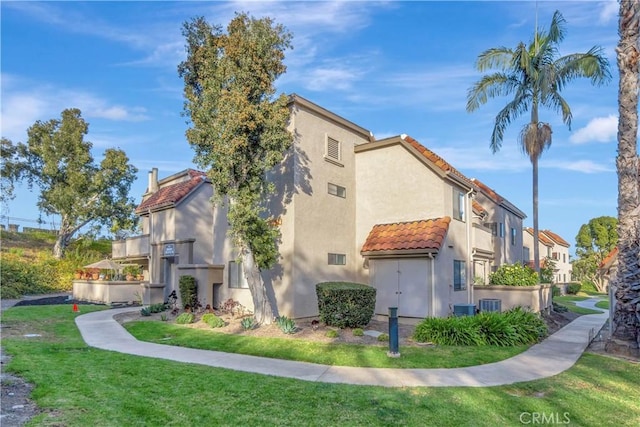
307, 330
16, 408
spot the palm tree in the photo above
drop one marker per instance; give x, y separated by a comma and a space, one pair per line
626, 314
534, 75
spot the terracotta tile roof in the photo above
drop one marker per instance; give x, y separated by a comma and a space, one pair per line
171, 194
477, 208
541, 237
609, 259
435, 159
557, 239
423, 235
488, 191
532, 265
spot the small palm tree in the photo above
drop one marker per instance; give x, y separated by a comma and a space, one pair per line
534, 75
625, 317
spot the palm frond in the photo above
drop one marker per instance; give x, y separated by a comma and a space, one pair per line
489, 86
534, 139
557, 28
513, 110
555, 101
494, 58
592, 65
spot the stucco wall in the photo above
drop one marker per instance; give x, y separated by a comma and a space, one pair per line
317, 222
536, 298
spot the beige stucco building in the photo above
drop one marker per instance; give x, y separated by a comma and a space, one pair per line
388, 212
553, 247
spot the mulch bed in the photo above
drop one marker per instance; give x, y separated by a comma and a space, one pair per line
53, 301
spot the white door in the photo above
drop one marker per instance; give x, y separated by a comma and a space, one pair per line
402, 283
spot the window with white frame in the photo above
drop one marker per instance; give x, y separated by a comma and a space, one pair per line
458, 205
236, 275
333, 150
337, 259
459, 275
337, 190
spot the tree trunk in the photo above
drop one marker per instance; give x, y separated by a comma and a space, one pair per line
62, 241
626, 316
264, 309
536, 244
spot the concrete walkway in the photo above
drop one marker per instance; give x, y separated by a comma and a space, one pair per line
552, 356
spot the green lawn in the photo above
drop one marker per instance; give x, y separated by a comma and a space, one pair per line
603, 304
79, 386
569, 301
322, 353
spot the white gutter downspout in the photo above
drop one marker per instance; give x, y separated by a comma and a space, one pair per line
468, 216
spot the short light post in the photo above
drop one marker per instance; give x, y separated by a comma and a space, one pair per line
394, 351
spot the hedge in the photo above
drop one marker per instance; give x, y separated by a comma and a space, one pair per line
345, 304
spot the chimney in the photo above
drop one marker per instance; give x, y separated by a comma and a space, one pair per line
153, 181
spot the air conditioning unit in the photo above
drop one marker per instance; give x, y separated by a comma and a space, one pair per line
490, 304
464, 310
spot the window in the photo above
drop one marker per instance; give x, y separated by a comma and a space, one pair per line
458, 205
564, 257
333, 150
513, 236
337, 190
337, 259
494, 228
525, 254
459, 275
555, 256
501, 231
236, 275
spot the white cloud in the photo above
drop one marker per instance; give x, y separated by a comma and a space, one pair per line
332, 78
22, 107
583, 166
600, 129
609, 10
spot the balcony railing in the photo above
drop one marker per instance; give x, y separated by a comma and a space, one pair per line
136, 246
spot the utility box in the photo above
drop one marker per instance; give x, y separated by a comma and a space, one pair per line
464, 310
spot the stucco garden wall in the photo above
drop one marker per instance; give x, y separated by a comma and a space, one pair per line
537, 298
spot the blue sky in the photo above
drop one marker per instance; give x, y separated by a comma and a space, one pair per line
391, 67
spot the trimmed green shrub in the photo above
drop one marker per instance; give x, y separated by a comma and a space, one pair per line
383, 337
510, 328
358, 332
185, 318
157, 308
145, 311
212, 320
345, 304
573, 288
331, 333
559, 308
188, 291
514, 275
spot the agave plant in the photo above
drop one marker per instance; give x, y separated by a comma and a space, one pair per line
247, 323
288, 326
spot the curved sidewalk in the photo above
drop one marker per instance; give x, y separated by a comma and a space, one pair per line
554, 355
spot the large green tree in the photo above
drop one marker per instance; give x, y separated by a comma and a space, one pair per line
626, 316
58, 161
238, 131
533, 75
594, 241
